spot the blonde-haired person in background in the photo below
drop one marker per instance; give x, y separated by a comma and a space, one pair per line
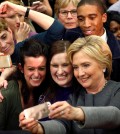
66, 12
88, 106
21, 27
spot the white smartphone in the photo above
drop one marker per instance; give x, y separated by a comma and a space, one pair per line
35, 3
37, 112
5, 61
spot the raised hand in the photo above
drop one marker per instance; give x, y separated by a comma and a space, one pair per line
22, 32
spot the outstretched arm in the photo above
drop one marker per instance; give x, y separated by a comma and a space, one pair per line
87, 117
41, 19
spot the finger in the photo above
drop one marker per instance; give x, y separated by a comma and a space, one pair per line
5, 84
1, 96
55, 105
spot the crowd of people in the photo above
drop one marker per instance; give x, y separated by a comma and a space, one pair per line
67, 54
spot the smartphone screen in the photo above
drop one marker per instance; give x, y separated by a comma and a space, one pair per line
34, 2
5, 61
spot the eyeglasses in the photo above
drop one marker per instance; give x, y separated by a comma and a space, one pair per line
64, 13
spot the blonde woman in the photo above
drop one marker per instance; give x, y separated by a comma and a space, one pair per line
66, 12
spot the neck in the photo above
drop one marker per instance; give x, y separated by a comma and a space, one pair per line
97, 87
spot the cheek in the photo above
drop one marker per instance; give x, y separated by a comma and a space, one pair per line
52, 70
22, 19
61, 19
75, 73
43, 74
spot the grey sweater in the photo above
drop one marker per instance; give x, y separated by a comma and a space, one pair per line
102, 115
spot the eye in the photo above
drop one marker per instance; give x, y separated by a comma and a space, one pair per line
4, 36
65, 64
19, 15
75, 67
92, 17
54, 65
80, 19
86, 65
42, 68
11, 17
31, 69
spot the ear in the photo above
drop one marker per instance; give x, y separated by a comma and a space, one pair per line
9, 30
20, 68
104, 17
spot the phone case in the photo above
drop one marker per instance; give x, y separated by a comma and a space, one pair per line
5, 61
38, 112
34, 1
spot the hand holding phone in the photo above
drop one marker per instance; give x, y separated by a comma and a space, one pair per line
38, 112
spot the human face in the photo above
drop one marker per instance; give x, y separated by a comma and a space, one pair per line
6, 42
14, 20
115, 29
87, 71
90, 20
69, 20
61, 70
34, 70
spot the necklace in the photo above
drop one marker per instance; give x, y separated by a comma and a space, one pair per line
104, 85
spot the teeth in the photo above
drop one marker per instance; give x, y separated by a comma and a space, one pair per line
35, 78
61, 77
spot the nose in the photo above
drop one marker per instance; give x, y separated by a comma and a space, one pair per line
36, 73
60, 70
87, 23
17, 19
81, 72
69, 15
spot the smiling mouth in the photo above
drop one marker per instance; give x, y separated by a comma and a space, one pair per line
6, 50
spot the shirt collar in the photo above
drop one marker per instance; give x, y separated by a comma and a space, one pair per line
104, 36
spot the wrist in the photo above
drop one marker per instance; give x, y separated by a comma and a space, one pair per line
40, 129
79, 115
27, 13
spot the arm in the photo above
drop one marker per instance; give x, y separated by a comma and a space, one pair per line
47, 127
100, 117
35, 16
43, 7
87, 117
5, 74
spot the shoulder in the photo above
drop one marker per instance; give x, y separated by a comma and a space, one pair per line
113, 85
11, 89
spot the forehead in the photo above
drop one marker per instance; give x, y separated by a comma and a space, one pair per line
4, 32
12, 13
33, 61
69, 7
61, 57
88, 9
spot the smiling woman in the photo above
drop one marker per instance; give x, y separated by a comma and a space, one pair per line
62, 82
29, 83
6, 38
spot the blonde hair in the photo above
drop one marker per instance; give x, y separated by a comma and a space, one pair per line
96, 48
3, 25
62, 4
18, 2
